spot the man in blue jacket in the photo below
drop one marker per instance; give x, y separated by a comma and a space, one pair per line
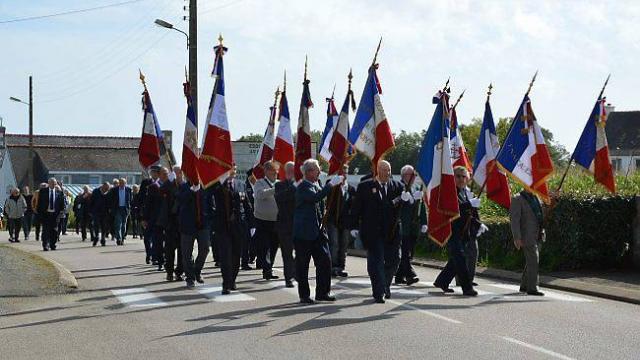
309, 237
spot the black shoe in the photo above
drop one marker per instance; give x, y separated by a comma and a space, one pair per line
387, 293
246, 267
474, 284
226, 292
234, 287
94, 243
45, 249
379, 300
399, 281
523, 290
159, 267
535, 293
444, 289
343, 274
169, 277
199, 279
271, 277
53, 248
326, 298
178, 278
216, 264
307, 301
103, 244
148, 260
412, 281
288, 284
190, 284
17, 241
470, 293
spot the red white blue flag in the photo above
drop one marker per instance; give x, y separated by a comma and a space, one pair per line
152, 140
265, 153
592, 151
283, 151
436, 171
303, 135
216, 159
486, 173
525, 156
341, 150
458, 151
190, 142
329, 128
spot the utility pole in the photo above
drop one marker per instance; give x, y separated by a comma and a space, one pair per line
193, 54
30, 167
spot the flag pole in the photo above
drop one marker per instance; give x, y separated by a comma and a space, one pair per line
484, 183
566, 171
458, 100
375, 56
146, 94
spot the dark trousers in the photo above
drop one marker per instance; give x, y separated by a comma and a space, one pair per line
191, 269
229, 255
339, 240
49, 230
99, 228
135, 225
382, 263
65, 224
158, 242
319, 251
456, 266
405, 270
27, 222
37, 223
247, 246
147, 239
267, 240
173, 252
286, 249
14, 226
81, 225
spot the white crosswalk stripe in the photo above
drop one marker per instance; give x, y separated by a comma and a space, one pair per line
137, 297
215, 293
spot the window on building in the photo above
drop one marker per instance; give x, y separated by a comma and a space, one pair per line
95, 179
64, 179
617, 164
637, 164
131, 179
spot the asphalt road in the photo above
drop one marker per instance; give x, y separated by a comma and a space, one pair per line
125, 310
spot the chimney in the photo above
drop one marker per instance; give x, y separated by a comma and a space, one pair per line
168, 139
609, 108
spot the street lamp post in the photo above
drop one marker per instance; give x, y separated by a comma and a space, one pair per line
30, 104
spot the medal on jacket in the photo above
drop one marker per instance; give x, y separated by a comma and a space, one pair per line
374, 190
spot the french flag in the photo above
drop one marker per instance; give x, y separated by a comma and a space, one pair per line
216, 159
190, 143
152, 140
525, 156
486, 174
458, 151
265, 153
371, 134
329, 128
436, 171
592, 151
341, 150
283, 151
303, 135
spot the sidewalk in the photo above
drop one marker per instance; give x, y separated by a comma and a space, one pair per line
615, 286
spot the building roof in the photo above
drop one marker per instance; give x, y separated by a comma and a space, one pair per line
623, 131
72, 141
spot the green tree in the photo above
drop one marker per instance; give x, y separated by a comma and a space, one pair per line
251, 137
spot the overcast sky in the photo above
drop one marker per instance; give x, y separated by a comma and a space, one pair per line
85, 65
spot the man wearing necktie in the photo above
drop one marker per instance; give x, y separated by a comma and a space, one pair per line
50, 206
376, 215
121, 206
309, 236
286, 200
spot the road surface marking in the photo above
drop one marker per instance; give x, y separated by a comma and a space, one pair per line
137, 297
215, 293
547, 294
425, 312
537, 348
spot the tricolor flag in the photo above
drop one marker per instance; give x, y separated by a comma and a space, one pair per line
190, 143
341, 150
265, 153
524, 155
458, 151
436, 171
371, 134
152, 140
216, 159
303, 135
329, 128
283, 151
486, 174
592, 151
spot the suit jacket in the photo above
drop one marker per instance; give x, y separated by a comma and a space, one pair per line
231, 208
158, 204
339, 207
43, 202
188, 209
307, 217
376, 218
286, 201
412, 215
524, 223
114, 198
98, 203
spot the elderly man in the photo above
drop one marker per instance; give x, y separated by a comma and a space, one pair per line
27, 221
337, 218
50, 206
99, 220
375, 214
413, 221
156, 214
120, 208
136, 207
15, 207
461, 233
266, 215
309, 237
173, 252
285, 199
81, 206
147, 232
37, 221
527, 227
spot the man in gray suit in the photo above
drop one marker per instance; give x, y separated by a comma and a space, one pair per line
527, 217
265, 213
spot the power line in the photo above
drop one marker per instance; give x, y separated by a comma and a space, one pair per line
77, 11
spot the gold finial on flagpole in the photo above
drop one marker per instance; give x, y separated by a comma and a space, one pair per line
375, 56
220, 39
531, 83
489, 91
142, 78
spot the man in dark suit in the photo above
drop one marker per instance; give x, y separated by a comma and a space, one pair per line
120, 208
286, 200
337, 218
99, 204
229, 209
147, 232
375, 214
309, 237
156, 214
50, 206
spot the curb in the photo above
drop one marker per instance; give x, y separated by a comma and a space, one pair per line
66, 280
575, 286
